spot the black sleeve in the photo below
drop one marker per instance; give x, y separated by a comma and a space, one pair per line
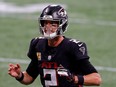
32, 52
81, 61
32, 69
86, 67
79, 51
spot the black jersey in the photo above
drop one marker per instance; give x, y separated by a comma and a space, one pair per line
45, 60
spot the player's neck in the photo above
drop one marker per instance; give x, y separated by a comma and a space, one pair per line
56, 41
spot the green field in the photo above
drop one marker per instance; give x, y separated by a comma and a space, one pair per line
91, 21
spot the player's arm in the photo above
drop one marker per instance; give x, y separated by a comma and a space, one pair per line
92, 79
90, 75
27, 79
22, 77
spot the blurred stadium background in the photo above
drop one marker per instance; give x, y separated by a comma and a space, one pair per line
91, 21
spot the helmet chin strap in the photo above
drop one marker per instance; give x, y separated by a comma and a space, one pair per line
50, 36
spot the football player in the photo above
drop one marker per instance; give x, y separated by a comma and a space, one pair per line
60, 61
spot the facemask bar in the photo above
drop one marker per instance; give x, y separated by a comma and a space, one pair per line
42, 30
55, 34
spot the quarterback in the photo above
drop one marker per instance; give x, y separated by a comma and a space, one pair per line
58, 60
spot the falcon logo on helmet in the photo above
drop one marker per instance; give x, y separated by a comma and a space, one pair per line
62, 12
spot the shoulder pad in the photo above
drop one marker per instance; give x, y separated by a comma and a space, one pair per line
77, 42
36, 39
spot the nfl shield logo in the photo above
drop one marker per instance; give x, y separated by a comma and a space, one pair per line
49, 57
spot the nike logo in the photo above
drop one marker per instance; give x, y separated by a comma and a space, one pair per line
80, 44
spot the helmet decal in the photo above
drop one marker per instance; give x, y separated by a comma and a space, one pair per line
62, 12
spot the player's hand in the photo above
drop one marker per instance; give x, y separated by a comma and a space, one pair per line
65, 73
14, 70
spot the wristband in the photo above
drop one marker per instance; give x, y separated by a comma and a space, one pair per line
21, 78
80, 79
